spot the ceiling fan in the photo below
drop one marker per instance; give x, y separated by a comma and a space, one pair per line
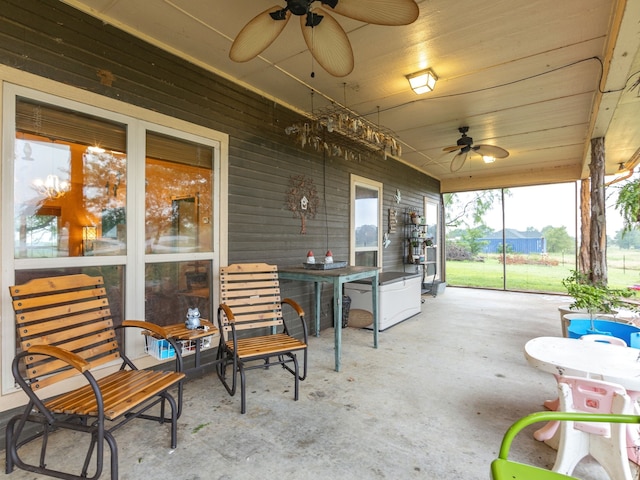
465, 146
325, 38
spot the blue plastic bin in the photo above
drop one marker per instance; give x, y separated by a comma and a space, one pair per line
628, 333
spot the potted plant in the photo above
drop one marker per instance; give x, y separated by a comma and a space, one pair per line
594, 298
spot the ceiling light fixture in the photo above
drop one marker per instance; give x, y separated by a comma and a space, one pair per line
423, 81
488, 159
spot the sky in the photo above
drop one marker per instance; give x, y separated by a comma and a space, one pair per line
537, 207
541, 206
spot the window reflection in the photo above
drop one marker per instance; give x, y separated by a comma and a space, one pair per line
66, 186
365, 236
179, 177
366, 216
173, 287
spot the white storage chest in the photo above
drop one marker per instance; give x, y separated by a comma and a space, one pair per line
398, 296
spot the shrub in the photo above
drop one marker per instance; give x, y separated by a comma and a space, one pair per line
529, 260
457, 252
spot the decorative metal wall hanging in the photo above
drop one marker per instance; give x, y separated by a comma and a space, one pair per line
302, 199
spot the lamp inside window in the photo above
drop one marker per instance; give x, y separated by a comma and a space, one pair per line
89, 236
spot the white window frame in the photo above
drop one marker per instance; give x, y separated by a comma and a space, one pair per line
138, 120
358, 181
431, 205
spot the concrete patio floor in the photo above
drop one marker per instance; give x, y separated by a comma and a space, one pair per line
432, 402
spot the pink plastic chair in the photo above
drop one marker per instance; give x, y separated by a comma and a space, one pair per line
606, 443
547, 432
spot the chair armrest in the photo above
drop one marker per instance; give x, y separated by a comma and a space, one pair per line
292, 303
560, 416
149, 328
152, 327
76, 361
295, 305
227, 312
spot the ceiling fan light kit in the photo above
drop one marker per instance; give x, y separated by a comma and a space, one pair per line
328, 44
464, 147
423, 81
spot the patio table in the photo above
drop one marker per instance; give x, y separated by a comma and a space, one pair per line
574, 357
337, 277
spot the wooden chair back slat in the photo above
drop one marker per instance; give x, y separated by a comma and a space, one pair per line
250, 268
262, 298
89, 309
271, 310
251, 325
40, 383
55, 284
248, 293
53, 333
36, 367
25, 303
233, 283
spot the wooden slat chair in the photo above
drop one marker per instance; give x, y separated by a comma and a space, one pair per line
253, 328
65, 328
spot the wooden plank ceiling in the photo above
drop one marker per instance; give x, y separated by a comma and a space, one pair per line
538, 78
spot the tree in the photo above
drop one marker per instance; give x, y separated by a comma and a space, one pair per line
628, 238
468, 209
557, 239
598, 238
471, 239
627, 203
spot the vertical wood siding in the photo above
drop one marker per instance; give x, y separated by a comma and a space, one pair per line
51, 39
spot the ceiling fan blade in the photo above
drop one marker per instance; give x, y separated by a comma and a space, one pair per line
453, 148
329, 44
491, 151
257, 35
458, 161
378, 12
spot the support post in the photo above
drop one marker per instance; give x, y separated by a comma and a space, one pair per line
584, 260
598, 233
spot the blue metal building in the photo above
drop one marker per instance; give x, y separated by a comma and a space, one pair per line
527, 242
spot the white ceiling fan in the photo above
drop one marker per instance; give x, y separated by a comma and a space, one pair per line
465, 147
326, 39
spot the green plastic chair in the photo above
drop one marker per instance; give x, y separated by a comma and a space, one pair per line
504, 469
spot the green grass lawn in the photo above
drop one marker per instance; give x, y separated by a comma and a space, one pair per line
623, 269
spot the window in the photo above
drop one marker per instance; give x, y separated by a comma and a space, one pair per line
366, 221
432, 218
133, 198
178, 216
72, 164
